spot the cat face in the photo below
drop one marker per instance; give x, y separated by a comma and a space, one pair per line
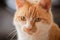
31, 18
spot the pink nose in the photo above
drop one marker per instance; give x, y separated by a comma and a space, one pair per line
30, 30
27, 29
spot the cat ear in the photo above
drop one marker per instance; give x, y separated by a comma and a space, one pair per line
20, 3
45, 4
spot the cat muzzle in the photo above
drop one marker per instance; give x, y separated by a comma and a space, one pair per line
30, 31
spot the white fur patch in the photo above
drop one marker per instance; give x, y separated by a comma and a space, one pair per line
34, 1
28, 25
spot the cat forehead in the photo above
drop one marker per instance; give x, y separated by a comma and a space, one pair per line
31, 11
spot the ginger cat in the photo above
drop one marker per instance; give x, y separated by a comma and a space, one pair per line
34, 21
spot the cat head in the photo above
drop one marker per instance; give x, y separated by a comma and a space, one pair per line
33, 15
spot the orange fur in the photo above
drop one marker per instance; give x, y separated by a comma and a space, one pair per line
42, 11
54, 32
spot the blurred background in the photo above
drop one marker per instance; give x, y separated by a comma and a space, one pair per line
7, 10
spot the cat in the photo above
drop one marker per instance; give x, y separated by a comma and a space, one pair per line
33, 20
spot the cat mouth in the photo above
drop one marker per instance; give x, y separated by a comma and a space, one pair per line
30, 31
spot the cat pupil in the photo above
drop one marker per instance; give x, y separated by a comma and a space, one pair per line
37, 19
23, 18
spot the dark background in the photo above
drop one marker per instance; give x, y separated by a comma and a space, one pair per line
6, 19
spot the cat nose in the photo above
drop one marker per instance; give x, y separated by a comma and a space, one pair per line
30, 31
27, 29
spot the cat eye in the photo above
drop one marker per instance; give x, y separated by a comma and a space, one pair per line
23, 18
37, 19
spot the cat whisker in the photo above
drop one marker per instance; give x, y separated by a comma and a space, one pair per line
12, 29
12, 33
13, 36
